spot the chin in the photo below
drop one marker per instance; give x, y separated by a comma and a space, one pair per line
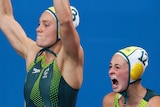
118, 89
38, 44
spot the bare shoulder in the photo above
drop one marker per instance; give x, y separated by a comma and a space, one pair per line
154, 102
31, 52
108, 100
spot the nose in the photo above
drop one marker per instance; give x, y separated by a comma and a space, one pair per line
38, 29
111, 71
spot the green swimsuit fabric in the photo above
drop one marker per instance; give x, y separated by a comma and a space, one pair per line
143, 102
45, 86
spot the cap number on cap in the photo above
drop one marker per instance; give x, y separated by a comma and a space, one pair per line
74, 14
142, 58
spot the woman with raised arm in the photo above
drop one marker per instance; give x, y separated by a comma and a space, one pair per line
54, 62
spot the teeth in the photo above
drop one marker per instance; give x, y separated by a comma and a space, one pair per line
112, 78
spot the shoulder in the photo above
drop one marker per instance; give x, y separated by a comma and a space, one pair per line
31, 53
108, 100
150, 94
154, 102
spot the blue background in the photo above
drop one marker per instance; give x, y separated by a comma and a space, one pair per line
105, 27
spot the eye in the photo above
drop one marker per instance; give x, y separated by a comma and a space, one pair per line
117, 67
110, 66
46, 24
38, 23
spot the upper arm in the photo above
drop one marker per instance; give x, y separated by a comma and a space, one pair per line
68, 33
12, 29
71, 41
15, 35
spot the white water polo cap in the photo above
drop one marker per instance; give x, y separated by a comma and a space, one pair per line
75, 15
137, 59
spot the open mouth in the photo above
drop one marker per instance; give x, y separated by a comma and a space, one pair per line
114, 81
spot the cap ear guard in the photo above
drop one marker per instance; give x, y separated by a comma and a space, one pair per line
136, 71
137, 59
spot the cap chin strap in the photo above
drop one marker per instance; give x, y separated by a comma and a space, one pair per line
57, 27
42, 50
47, 48
124, 93
58, 39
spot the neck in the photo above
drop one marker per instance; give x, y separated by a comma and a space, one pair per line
52, 52
136, 93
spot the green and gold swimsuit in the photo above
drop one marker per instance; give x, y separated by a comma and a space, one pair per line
45, 86
143, 102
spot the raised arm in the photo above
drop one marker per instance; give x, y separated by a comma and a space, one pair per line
13, 31
68, 34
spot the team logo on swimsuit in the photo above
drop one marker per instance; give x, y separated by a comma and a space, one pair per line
35, 70
45, 73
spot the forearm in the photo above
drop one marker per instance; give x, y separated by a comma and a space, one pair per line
63, 11
5, 7
5, 10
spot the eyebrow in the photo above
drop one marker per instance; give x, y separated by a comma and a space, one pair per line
44, 21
